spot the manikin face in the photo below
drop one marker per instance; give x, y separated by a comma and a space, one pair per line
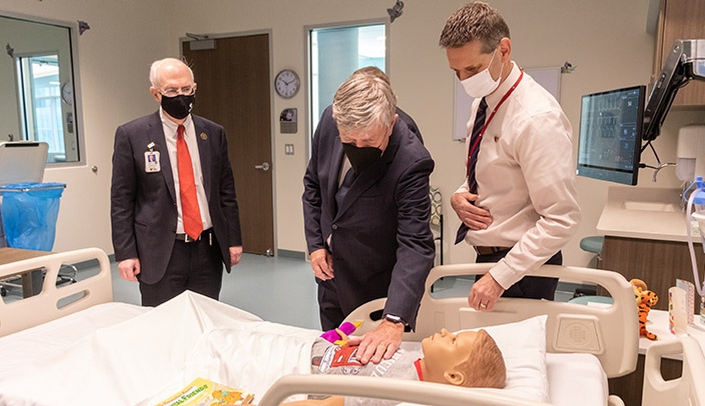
442, 351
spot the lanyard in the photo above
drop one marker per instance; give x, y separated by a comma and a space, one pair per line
476, 142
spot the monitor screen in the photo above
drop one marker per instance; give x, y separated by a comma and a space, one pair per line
610, 135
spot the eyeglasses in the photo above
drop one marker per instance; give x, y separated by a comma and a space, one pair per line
173, 91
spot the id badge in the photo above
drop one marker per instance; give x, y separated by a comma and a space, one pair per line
151, 162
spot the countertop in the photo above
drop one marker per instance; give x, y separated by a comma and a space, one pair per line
646, 213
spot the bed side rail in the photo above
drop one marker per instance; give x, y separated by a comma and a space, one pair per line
424, 393
686, 390
54, 302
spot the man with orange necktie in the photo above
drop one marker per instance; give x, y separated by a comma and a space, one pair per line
175, 219
518, 205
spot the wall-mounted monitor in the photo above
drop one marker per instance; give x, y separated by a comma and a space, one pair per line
611, 124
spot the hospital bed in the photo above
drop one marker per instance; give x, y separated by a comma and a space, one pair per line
597, 342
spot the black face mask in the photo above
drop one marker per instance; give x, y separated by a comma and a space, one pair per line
178, 106
361, 158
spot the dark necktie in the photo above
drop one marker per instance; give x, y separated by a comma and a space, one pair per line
474, 149
344, 187
190, 212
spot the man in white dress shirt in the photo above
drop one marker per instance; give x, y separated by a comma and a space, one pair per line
524, 206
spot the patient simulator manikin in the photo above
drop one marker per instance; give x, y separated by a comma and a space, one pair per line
468, 359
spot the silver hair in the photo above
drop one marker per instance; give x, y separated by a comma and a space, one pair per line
363, 101
476, 21
154, 70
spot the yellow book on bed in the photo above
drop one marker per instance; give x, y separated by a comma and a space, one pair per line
204, 392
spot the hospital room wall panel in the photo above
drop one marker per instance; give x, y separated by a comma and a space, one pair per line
614, 50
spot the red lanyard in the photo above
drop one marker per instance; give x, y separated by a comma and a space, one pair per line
476, 144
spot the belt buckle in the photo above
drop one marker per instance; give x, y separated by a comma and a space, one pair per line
188, 238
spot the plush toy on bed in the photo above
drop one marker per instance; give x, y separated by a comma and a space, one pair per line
645, 298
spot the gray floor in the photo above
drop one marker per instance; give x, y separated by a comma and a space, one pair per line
277, 289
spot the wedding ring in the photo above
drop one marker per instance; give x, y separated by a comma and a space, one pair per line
483, 305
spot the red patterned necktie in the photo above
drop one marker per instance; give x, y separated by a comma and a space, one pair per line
187, 188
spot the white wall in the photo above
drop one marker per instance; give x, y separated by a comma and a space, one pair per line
605, 40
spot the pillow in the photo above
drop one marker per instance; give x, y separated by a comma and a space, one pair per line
523, 346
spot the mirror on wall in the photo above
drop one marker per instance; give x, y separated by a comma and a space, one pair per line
38, 83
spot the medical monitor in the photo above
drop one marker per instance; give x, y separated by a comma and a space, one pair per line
609, 145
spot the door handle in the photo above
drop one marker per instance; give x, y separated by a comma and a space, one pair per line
264, 166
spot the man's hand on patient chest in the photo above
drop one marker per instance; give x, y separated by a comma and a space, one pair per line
380, 343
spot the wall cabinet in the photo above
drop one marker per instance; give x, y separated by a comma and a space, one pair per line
681, 19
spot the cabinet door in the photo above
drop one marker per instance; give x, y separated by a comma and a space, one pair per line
682, 19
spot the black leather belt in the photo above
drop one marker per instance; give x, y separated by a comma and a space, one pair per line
205, 235
490, 250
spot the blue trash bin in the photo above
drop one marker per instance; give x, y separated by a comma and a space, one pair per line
29, 214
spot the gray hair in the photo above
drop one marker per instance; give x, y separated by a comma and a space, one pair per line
373, 71
155, 70
362, 102
476, 21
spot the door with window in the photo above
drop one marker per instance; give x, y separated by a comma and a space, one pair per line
336, 52
234, 91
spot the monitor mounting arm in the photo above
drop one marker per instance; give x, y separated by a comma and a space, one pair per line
685, 62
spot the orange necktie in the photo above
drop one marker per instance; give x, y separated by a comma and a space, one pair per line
187, 188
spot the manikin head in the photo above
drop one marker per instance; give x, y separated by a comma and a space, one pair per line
470, 359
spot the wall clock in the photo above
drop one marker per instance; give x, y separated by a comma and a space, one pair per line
287, 83
67, 93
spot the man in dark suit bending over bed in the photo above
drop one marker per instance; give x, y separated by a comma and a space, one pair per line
175, 218
367, 227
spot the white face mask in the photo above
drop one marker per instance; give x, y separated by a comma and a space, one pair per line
481, 84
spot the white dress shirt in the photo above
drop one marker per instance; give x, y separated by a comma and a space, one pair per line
170, 133
526, 178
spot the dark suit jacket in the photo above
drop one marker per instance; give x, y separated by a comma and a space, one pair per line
143, 205
381, 241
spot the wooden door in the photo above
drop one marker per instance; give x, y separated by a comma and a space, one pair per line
233, 90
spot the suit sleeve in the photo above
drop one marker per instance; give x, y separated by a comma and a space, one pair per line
228, 196
312, 202
416, 251
123, 193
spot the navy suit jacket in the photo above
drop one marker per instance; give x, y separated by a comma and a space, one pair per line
143, 205
381, 240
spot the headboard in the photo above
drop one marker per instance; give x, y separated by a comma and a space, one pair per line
610, 333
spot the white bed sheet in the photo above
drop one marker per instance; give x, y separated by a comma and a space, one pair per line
38, 342
37, 357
